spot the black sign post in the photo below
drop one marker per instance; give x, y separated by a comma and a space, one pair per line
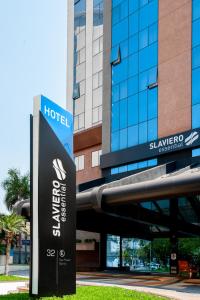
53, 213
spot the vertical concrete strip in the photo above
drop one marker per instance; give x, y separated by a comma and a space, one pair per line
174, 70
89, 44
106, 121
70, 54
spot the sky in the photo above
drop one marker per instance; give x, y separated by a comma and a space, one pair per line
33, 55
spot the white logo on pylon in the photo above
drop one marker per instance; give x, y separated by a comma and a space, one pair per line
58, 167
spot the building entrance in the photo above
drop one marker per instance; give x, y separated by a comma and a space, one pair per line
137, 255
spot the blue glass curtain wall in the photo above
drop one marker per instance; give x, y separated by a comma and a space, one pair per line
134, 59
195, 63
134, 166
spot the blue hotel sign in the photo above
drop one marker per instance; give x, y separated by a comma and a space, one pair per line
61, 121
53, 186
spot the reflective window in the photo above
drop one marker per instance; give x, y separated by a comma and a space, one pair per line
113, 251
123, 113
196, 57
123, 138
196, 152
134, 166
195, 63
79, 162
196, 86
79, 64
196, 9
96, 158
195, 116
134, 77
132, 136
195, 33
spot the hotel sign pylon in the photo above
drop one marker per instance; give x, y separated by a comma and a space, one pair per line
53, 186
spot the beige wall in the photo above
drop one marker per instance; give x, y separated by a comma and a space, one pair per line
174, 70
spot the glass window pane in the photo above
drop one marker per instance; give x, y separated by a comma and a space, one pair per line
114, 171
144, 17
95, 81
133, 23
95, 115
120, 32
132, 85
95, 158
143, 38
153, 12
152, 103
123, 89
81, 160
196, 57
143, 81
96, 47
119, 72
152, 75
123, 138
132, 167
143, 2
196, 86
195, 9
195, 152
115, 141
115, 55
123, 169
195, 33
133, 110
113, 251
142, 164
123, 113
152, 162
144, 59
153, 55
124, 9
143, 106
153, 33
124, 49
116, 14
116, 2
115, 116
133, 65
143, 133
133, 5
152, 129
196, 116
133, 136
115, 93
133, 44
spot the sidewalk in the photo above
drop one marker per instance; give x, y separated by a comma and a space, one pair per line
171, 287
8, 287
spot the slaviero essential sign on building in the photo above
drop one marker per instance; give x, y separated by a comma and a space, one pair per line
53, 200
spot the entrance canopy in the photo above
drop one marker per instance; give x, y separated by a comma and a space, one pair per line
149, 204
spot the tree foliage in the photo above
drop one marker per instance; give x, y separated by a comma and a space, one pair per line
16, 186
10, 226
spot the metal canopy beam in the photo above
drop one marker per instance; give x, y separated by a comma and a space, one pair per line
106, 223
148, 217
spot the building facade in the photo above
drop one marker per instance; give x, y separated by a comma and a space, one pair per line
134, 88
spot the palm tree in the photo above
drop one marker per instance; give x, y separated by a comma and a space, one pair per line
11, 225
17, 187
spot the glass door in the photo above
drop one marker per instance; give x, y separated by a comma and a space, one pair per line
113, 251
136, 254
